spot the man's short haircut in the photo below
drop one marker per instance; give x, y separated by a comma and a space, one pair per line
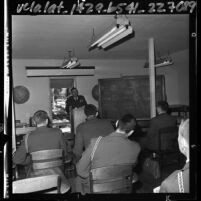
40, 116
163, 105
90, 109
125, 122
74, 88
184, 130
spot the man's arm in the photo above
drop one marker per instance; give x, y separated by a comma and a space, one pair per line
20, 156
82, 101
63, 144
83, 165
163, 187
152, 135
79, 144
67, 106
85, 102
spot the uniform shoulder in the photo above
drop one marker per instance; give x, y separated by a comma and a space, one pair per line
171, 178
81, 125
136, 144
93, 141
154, 120
55, 130
69, 97
81, 96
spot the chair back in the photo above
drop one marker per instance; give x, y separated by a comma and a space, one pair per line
169, 154
42, 184
168, 139
47, 159
112, 179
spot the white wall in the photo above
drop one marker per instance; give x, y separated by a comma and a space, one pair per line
176, 77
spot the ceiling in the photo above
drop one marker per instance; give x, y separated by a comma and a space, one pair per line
52, 36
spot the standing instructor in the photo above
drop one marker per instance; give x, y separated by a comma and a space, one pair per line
75, 100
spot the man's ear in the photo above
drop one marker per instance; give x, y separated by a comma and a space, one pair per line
129, 133
117, 123
46, 121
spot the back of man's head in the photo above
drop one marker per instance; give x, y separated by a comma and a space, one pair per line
127, 123
40, 117
90, 110
163, 105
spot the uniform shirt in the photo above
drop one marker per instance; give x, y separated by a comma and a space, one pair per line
161, 121
171, 183
113, 149
79, 102
42, 138
92, 128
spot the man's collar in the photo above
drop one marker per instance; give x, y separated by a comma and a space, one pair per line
162, 112
91, 117
119, 134
44, 126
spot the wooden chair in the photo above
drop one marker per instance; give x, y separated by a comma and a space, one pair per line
40, 159
48, 162
70, 169
43, 184
111, 179
168, 153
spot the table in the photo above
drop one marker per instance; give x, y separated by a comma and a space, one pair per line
24, 130
181, 110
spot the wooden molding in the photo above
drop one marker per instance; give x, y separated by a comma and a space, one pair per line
58, 72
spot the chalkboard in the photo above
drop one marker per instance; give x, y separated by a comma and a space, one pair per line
129, 94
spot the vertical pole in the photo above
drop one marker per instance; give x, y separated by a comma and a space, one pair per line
6, 98
152, 78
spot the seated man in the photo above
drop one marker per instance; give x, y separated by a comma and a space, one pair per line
92, 128
113, 149
43, 138
178, 181
162, 120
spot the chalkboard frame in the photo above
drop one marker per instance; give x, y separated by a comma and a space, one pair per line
161, 76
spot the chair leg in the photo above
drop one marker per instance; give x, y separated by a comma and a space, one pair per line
161, 168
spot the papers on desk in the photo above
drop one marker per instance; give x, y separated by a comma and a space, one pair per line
54, 121
25, 130
66, 130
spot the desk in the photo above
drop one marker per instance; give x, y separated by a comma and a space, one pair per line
181, 110
24, 130
20, 132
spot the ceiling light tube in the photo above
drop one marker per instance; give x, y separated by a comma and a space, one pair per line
105, 36
165, 63
118, 37
120, 30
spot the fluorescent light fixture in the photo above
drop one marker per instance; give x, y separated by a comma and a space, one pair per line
160, 63
72, 63
119, 31
105, 36
165, 63
118, 37
115, 34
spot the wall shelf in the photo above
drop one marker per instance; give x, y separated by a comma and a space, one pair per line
47, 71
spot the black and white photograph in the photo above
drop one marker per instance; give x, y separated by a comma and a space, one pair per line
102, 103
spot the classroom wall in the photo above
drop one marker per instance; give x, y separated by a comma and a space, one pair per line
176, 77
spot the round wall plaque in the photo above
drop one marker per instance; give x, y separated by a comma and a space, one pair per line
95, 92
21, 94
